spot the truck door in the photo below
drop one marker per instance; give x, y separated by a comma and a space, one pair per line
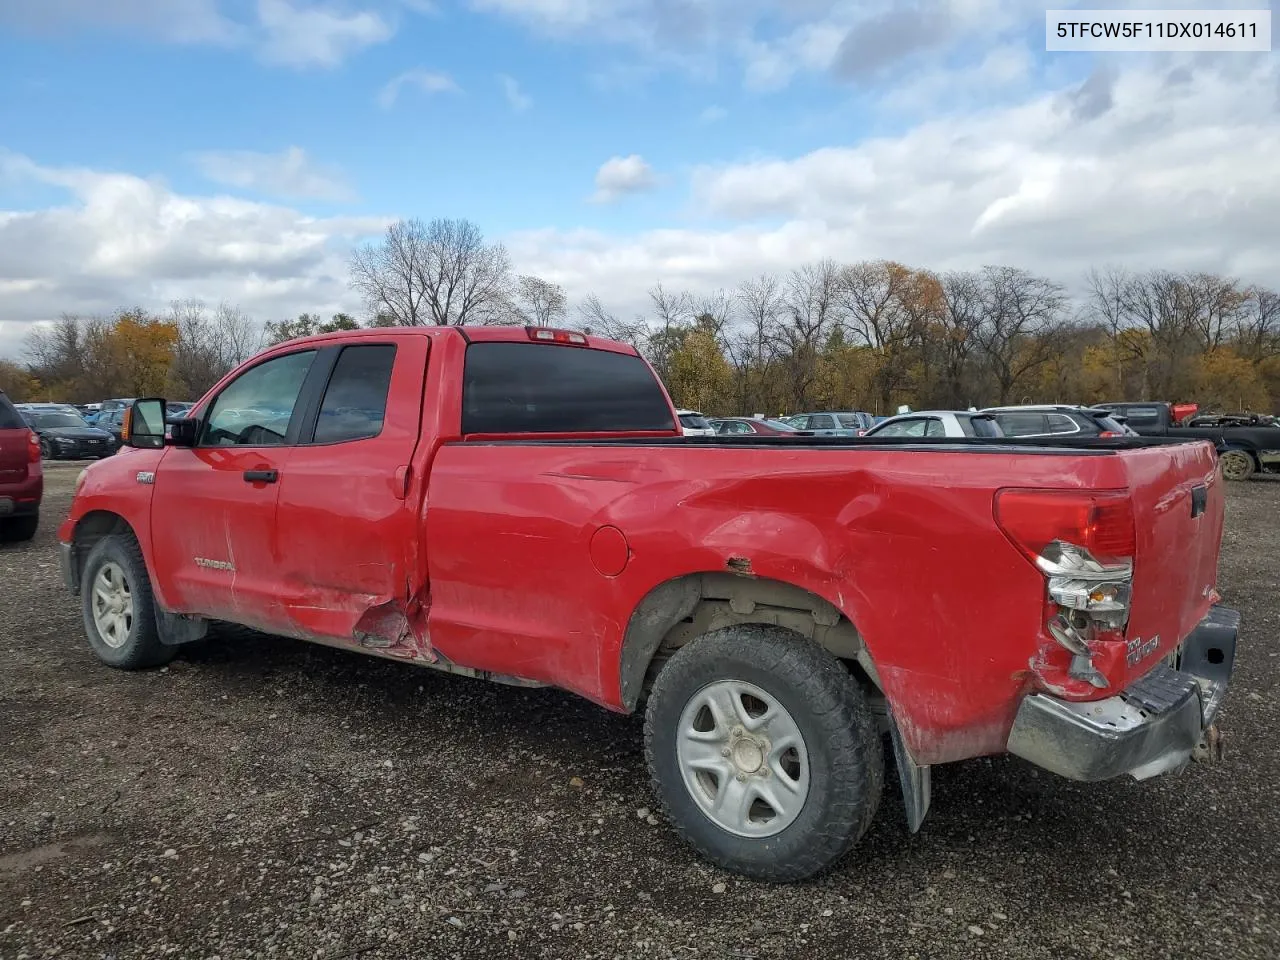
213, 510
348, 534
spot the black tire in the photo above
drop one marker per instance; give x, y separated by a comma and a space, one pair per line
845, 751
141, 647
1238, 464
19, 529
46, 449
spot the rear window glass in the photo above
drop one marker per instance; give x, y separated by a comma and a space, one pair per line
545, 388
1061, 423
694, 422
9, 418
1142, 414
1021, 424
1106, 424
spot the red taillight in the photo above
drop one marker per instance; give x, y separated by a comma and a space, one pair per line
1101, 523
1110, 433
547, 335
33, 447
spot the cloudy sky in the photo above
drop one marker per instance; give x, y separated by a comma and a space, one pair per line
238, 149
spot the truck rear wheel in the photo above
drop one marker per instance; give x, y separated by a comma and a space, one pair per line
118, 607
1237, 464
764, 752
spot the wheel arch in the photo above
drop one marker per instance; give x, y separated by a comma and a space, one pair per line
678, 610
89, 529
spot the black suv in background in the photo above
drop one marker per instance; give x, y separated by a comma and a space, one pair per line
1057, 420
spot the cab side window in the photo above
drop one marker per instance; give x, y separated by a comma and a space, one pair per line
256, 407
355, 401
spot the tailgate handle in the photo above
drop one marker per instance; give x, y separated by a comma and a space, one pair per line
261, 476
1199, 498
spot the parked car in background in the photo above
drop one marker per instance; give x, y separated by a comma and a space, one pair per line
1244, 448
755, 426
173, 409
833, 423
694, 424
111, 417
1057, 420
937, 423
64, 434
21, 475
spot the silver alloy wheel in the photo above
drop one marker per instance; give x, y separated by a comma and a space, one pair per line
112, 605
743, 759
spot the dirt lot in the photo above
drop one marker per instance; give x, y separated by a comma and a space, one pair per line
266, 798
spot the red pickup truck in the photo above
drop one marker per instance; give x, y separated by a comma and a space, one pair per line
518, 504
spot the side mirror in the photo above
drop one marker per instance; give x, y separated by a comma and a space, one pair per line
183, 431
143, 424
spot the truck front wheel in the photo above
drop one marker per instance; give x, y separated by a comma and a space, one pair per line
1237, 464
764, 752
118, 607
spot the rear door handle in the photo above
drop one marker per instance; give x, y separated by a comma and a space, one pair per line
261, 476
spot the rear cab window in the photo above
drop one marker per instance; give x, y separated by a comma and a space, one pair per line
544, 388
1140, 415
694, 422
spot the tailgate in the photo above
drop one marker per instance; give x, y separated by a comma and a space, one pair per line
14, 453
1179, 500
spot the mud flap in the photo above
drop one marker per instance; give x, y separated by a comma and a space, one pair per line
176, 629
915, 780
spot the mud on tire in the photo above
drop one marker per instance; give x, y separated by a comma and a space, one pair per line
759, 669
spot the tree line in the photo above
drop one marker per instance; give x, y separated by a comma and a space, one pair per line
870, 335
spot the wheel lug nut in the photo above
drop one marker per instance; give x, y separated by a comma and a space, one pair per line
725, 752
742, 778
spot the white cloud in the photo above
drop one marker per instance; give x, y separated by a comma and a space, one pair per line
1171, 175
517, 99
292, 33
620, 176
306, 36
428, 81
122, 240
713, 114
290, 174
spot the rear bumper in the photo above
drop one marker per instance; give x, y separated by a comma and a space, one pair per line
21, 499
1153, 727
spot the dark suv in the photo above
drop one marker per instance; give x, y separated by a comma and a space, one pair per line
21, 476
1057, 420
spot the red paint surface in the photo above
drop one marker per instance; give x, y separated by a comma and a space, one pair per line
492, 552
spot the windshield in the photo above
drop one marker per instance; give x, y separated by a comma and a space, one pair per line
52, 421
694, 422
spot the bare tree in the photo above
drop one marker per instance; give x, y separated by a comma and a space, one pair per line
1257, 331
1021, 313
596, 319
812, 312
537, 302
961, 317
441, 273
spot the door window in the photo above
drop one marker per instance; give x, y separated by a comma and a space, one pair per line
822, 421
934, 428
355, 401
1061, 423
902, 428
256, 407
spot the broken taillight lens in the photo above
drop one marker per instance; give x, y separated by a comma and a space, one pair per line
33, 447
1083, 543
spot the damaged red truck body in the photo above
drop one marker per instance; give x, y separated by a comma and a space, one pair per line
518, 504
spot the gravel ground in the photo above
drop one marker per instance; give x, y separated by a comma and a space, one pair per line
267, 798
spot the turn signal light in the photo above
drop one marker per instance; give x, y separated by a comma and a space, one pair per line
33, 447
